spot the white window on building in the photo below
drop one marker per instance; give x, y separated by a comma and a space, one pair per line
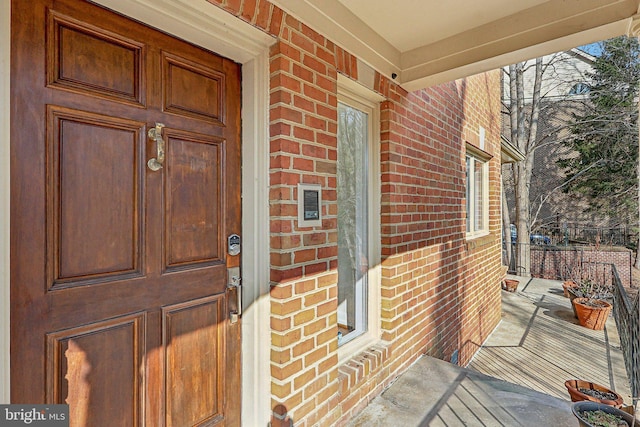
358, 193
579, 89
477, 168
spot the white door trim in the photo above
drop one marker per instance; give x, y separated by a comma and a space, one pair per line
206, 25
5, 54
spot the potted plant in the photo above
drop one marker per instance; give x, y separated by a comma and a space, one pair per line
580, 390
582, 289
592, 414
510, 285
592, 313
590, 297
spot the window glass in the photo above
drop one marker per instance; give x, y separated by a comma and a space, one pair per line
579, 89
476, 194
469, 194
352, 184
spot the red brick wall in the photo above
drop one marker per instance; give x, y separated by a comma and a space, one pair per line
440, 293
480, 306
303, 119
561, 263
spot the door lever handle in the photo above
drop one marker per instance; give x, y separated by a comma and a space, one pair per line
155, 134
234, 284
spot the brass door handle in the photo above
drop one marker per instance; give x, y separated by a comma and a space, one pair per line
155, 134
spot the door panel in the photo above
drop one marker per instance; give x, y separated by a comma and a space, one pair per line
118, 272
193, 194
93, 166
81, 56
206, 103
195, 344
106, 353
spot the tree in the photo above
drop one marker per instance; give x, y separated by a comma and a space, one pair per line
605, 133
523, 125
535, 92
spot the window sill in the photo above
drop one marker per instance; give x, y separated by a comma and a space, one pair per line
357, 345
356, 370
479, 240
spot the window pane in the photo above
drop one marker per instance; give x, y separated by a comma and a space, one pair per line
353, 264
479, 192
469, 195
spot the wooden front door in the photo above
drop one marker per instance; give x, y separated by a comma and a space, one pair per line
119, 300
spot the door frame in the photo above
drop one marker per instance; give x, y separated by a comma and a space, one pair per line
210, 27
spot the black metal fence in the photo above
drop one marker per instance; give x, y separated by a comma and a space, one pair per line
572, 234
627, 314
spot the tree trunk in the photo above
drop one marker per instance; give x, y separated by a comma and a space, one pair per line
506, 230
523, 265
524, 135
636, 264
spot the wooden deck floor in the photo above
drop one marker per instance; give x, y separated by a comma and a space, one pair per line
539, 344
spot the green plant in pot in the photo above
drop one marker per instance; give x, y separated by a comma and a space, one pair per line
583, 288
592, 414
591, 309
589, 298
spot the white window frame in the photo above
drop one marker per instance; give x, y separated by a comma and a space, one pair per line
477, 155
357, 96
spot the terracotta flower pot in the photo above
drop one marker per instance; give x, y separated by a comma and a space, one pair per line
510, 285
574, 386
566, 285
592, 313
578, 408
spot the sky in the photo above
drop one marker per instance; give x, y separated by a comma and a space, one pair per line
593, 49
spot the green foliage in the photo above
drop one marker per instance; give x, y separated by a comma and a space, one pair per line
605, 132
603, 419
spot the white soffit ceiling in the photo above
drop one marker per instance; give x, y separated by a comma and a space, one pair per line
415, 23
426, 42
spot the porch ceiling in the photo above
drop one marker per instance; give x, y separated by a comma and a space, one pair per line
426, 42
